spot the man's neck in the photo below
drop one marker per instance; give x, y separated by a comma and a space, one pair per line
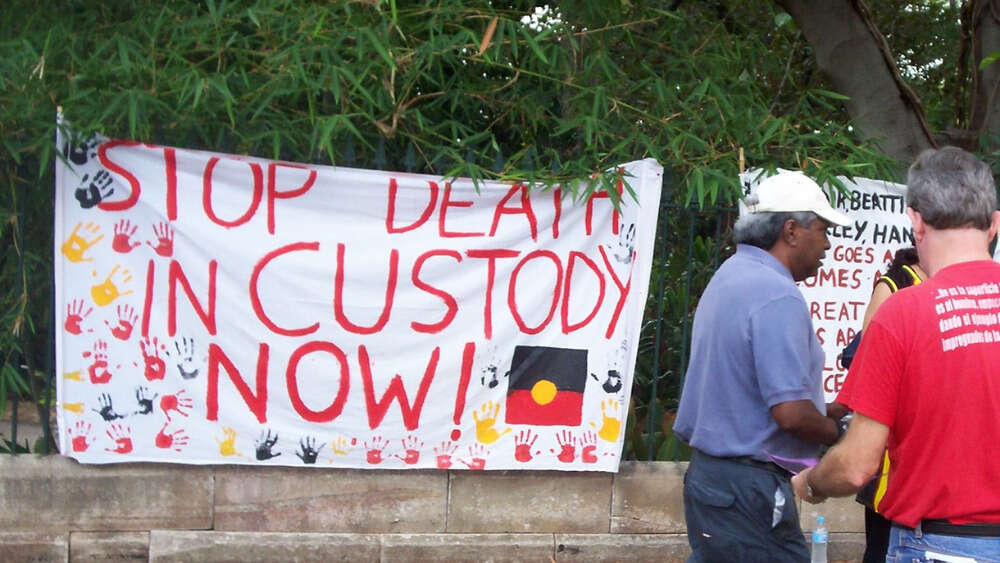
942, 248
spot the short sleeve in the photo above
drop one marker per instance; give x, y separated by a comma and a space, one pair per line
781, 335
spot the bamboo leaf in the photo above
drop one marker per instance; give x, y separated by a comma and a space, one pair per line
379, 47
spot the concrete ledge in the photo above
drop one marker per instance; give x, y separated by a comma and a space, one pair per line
528, 502
277, 499
109, 546
239, 547
845, 547
55, 493
28, 546
495, 548
648, 497
655, 548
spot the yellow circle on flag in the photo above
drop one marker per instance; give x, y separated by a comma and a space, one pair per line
543, 392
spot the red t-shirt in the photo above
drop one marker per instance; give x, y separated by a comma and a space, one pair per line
929, 368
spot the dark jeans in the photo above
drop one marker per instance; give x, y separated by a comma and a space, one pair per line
734, 513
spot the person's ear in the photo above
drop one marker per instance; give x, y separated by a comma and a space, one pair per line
789, 232
994, 225
919, 227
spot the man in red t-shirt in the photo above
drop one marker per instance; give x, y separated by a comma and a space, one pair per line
926, 381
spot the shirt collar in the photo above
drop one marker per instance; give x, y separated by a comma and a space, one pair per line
762, 257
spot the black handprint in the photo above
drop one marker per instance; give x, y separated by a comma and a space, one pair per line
493, 372
80, 153
98, 189
613, 383
145, 403
490, 370
106, 411
626, 244
264, 445
309, 451
185, 351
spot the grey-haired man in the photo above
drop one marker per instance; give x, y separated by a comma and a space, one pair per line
753, 390
925, 381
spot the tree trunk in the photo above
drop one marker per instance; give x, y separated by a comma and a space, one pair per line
984, 21
855, 58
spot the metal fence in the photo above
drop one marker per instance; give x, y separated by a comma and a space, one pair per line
691, 241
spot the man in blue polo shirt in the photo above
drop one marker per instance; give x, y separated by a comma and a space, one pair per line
753, 389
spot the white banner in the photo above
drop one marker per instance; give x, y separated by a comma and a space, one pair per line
227, 309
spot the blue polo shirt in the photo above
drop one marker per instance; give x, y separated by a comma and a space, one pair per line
752, 347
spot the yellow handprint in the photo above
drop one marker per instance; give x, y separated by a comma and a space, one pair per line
485, 433
73, 376
107, 291
610, 425
227, 447
340, 446
76, 245
76, 408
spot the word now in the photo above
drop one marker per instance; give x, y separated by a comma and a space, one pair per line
256, 397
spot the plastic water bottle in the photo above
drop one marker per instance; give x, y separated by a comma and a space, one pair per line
820, 537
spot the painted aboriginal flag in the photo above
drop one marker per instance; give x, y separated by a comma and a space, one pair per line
546, 386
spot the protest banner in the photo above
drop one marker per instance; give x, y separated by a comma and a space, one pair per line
216, 308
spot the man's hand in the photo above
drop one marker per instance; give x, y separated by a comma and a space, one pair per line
802, 489
836, 410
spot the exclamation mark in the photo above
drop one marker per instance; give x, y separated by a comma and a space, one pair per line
463, 386
147, 303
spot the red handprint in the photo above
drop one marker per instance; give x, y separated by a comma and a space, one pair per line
588, 447
375, 449
176, 439
165, 240
477, 457
126, 322
75, 315
523, 443
412, 445
80, 432
567, 443
98, 370
121, 435
122, 242
178, 402
156, 368
444, 453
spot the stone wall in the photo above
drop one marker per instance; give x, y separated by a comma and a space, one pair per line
54, 509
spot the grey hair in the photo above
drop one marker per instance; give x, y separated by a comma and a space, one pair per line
951, 188
762, 229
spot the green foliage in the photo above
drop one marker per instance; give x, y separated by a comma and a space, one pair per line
608, 83
924, 36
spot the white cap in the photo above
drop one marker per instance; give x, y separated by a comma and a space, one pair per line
790, 192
